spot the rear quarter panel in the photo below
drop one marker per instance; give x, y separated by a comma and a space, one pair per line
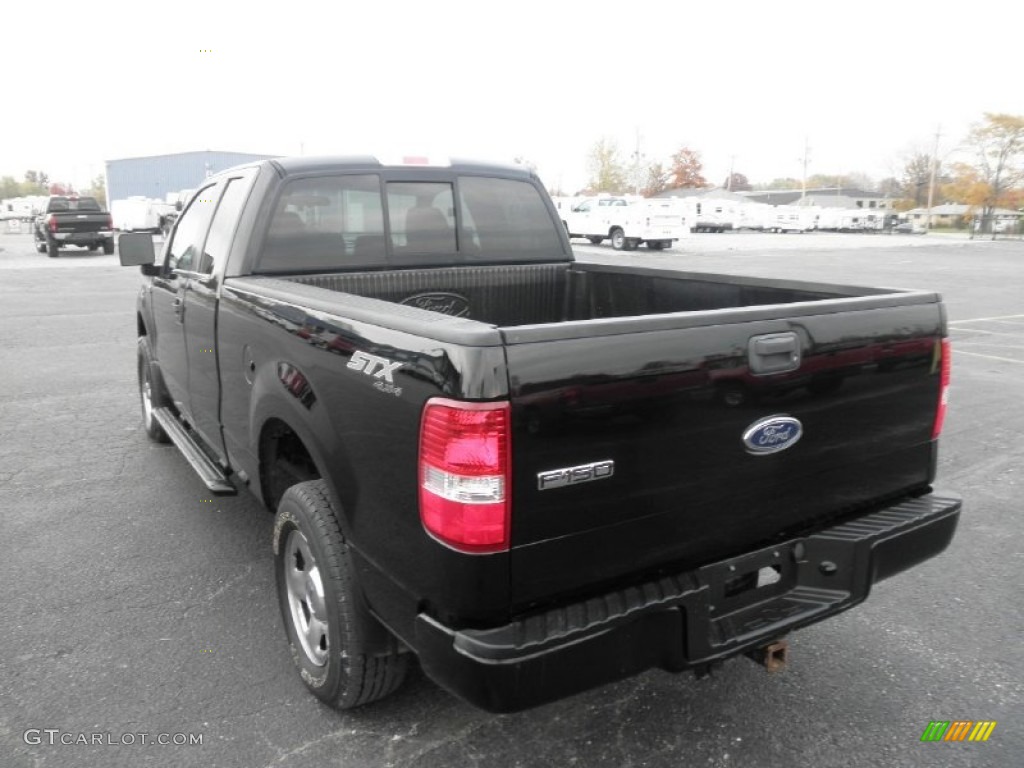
280, 360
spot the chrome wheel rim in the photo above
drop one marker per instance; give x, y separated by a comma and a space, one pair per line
306, 604
147, 401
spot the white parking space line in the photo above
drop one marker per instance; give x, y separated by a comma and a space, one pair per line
983, 319
987, 357
983, 344
987, 333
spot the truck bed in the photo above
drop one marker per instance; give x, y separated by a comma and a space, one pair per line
667, 395
539, 294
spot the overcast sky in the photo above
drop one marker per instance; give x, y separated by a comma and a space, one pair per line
741, 82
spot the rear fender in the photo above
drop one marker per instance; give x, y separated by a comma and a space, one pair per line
314, 430
303, 414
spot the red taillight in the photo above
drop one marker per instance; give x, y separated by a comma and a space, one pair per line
51, 222
110, 221
465, 474
944, 350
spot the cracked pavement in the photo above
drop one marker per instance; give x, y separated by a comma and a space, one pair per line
130, 605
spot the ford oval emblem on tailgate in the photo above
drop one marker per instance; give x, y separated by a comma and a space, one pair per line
771, 435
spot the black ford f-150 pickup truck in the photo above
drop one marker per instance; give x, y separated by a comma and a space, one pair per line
73, 221
534, 474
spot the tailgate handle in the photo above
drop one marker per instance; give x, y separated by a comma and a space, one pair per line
774, 353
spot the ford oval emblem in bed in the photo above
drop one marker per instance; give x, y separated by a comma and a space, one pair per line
440, 301
774, 434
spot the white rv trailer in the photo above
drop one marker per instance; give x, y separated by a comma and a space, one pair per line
139, 214
794, 218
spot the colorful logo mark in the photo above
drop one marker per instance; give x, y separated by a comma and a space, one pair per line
958, 730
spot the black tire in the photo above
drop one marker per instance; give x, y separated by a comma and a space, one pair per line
328, 633
52, 249
108, 246
40, 246
151, 393
618, 238
596, 240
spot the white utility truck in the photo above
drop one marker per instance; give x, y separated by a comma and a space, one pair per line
656, 222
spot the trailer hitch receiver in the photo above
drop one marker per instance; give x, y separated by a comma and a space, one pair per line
773, 656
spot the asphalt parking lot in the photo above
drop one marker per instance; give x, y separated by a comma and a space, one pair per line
133, 604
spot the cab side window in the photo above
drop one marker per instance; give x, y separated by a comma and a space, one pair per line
185, 249
222, 230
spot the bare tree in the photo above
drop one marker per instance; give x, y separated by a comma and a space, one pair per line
737, 182
657, 180
916, 176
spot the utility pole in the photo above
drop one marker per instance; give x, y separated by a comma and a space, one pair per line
803, 179
931, 180
637, 157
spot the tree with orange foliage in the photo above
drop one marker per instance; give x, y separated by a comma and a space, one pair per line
686, 170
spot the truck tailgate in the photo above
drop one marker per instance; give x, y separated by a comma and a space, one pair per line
81, 222
629, 448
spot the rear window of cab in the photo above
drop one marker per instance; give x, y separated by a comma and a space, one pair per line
350, 221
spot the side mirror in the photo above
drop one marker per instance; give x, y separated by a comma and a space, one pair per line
178, 206
135, 249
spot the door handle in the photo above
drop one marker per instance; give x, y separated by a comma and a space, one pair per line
774, 353
176, 303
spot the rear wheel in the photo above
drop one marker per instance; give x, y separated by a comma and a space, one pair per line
108, 246
618, 238
52, 249
327, 624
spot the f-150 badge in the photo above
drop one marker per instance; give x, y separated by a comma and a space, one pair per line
584, 473
379, 368
771, 435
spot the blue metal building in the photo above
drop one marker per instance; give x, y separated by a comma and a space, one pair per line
158, 175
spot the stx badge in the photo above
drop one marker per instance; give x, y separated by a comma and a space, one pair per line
372, 365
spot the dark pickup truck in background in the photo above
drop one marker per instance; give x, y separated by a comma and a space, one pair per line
77, 221
533, 474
